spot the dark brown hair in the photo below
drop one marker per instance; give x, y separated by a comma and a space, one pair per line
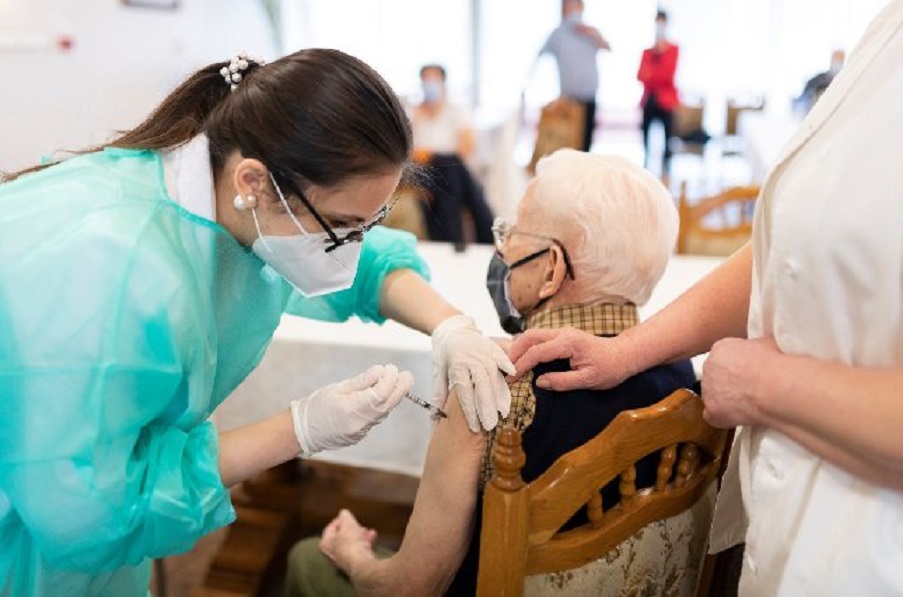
436, 67
316, 116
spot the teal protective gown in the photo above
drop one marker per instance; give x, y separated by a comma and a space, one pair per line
124, 321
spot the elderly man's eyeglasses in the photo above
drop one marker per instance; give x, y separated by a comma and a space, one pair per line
502, 229
356, 235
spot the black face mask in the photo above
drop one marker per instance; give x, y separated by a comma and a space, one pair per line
498, 285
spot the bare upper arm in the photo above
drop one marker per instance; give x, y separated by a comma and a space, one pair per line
440, 527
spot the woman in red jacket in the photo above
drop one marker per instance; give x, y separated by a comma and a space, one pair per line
660, 97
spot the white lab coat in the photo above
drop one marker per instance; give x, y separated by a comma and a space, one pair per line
827, 283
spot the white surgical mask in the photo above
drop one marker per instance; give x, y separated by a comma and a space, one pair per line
302, 260
661, 31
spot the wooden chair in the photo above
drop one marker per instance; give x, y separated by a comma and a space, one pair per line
407, 212
716, 225
520, 534
737, 106
560, 125
731, 143
688, 134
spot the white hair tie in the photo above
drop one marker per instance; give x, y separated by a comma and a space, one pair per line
239, 63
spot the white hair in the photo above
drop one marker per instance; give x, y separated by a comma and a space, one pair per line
617, 221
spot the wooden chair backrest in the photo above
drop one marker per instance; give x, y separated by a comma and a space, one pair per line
688, 118
734, 108
560, 125
520, 534
407, 212
733, 207
687, 126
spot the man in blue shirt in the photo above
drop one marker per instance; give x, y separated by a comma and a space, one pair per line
574, 45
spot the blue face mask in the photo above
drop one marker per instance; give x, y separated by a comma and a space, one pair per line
432, 91
498, 284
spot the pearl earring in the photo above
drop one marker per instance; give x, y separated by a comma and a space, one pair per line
243, 203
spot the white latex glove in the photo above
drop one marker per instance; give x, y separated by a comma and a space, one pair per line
342, 413
472, 364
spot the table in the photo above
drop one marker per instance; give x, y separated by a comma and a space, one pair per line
305, 355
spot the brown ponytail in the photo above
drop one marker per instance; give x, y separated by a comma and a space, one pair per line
316, 116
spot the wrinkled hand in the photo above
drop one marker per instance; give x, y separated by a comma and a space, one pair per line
597, 363
342, 413
345, 541
472, 364
730, 380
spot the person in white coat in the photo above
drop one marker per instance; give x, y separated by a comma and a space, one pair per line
805, 328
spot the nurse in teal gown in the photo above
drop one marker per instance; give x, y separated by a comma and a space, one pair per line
140, 283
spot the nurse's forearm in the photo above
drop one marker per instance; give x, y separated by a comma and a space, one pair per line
716, 307
850, 416
252, 449
410, 300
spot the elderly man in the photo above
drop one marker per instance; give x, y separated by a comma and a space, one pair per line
592, 238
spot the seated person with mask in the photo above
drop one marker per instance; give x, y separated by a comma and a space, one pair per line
592, 238
444, 141
817, 85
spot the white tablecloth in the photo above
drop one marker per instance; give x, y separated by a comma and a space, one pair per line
305, 355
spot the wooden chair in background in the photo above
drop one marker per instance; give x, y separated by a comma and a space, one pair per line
560, 125
521, 533
688, 134
716, 225
731, 142
407, 211
735, 107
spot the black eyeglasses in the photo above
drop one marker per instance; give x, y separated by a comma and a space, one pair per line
502, 229
356, 235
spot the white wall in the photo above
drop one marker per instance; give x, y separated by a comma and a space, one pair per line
395, 37
124, 59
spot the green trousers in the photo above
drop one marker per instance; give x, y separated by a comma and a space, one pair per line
311, 574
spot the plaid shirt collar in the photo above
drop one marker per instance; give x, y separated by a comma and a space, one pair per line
600, 319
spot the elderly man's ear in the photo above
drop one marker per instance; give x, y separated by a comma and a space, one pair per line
554, 273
